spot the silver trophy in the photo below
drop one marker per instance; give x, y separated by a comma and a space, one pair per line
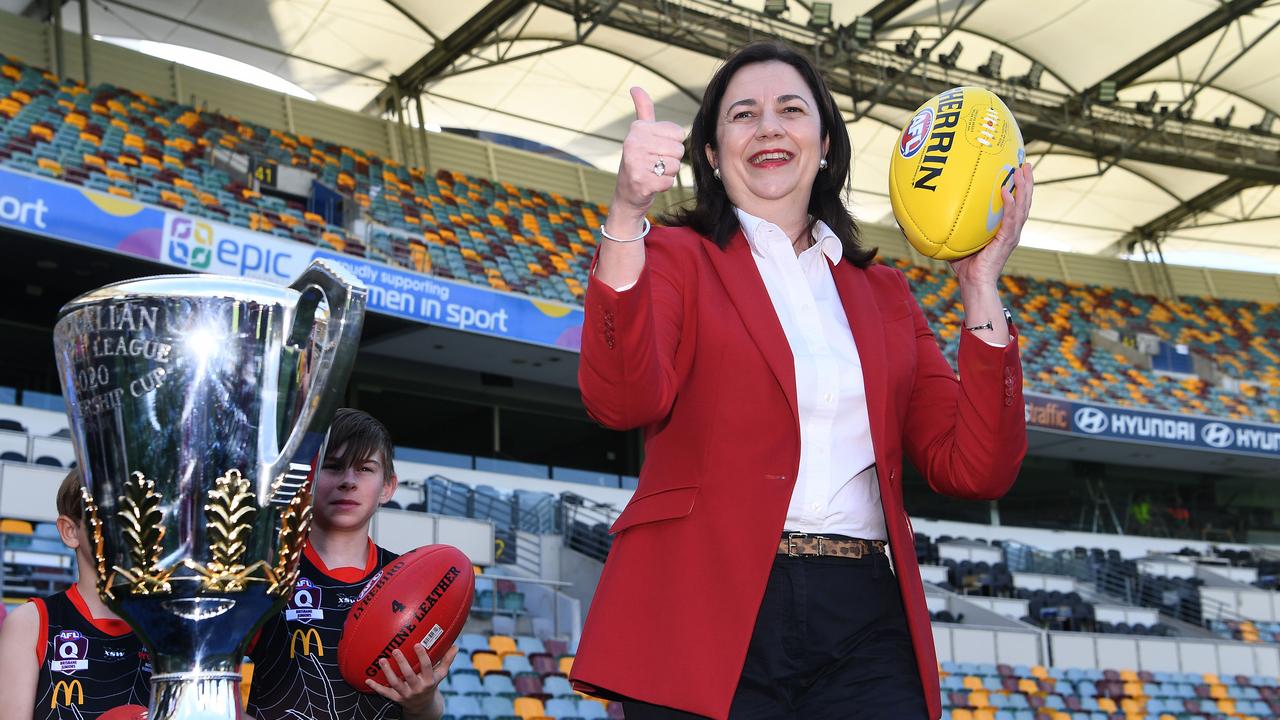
198, 406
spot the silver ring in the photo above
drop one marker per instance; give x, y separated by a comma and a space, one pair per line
660, 167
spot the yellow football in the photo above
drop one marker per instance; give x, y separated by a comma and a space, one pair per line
945, 175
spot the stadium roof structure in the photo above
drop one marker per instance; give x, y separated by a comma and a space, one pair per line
1150, 122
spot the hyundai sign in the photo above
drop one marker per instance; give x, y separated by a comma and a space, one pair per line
1127, 424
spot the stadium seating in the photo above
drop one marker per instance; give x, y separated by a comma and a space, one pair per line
1056, 319
498, 676
971, 691
523, 240
479, 686
539, 244
136, 146
1246, 631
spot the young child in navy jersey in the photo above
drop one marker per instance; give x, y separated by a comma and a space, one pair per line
67, 656
295, 655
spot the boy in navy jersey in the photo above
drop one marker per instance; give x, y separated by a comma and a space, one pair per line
67, 656
295, 655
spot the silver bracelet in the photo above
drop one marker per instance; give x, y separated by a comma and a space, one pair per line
985, 326
644, 231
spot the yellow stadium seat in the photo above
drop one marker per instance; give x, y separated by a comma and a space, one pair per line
972, 682
1227, 706
16, 527
1106, 705
503, 644
961, 714
566, 664
1129, 676
1131, 706
985, 714
1027, 685
52, 166
1218, 692
486, 662
1039, 671
529, 708
173, 198
246, 679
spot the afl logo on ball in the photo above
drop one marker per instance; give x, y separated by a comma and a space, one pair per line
916, 133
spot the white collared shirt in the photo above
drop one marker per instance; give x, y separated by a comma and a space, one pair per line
832, 493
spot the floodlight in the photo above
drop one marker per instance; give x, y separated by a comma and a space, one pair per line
820, 15
774, 8
1032, 78
949, 60
1107, 92
1264, 125
1225, 121
907, 48
1146, 107
862, 28
992, 68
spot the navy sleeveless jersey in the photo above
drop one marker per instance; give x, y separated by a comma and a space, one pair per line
295, 658
87, 666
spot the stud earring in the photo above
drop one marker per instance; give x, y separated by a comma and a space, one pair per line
822, 164
716, 172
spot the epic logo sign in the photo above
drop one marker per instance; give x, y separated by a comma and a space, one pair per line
190, 243
199, 246
916, 133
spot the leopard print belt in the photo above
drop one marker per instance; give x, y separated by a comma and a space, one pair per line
798, 544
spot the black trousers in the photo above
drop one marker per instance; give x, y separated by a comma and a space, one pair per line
830, 643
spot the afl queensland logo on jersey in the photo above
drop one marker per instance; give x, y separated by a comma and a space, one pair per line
916, 133
304, 604
71, 652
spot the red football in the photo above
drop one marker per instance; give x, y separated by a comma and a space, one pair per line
125, 712
420, 597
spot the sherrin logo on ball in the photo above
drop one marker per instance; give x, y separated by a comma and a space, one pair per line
954, 155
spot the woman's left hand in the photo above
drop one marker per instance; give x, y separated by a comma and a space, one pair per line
985, 266
415, 691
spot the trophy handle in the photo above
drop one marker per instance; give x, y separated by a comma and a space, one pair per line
346, 297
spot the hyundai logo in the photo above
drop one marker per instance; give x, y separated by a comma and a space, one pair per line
1091, 420
1216, 434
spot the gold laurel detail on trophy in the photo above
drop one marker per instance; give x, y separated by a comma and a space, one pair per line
230, 515
144, 530
95, 532
295, 520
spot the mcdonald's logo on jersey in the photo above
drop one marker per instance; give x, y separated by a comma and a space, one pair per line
67, 689
306, 636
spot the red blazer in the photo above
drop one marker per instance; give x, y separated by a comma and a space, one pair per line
695, 355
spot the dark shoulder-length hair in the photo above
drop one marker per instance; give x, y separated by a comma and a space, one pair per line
712, 214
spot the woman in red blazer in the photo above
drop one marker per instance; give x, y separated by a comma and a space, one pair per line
708, 606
